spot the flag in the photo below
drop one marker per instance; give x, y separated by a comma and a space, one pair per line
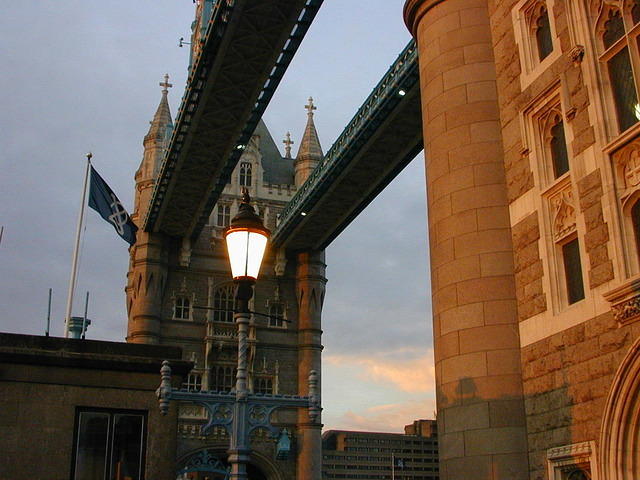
104, 201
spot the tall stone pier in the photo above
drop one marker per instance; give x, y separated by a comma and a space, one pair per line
481, 422
310, 289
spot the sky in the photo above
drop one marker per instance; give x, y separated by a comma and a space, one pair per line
82, 75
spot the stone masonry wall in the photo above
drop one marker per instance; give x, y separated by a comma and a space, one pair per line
566, 380
513, 100
597, 233
528, 268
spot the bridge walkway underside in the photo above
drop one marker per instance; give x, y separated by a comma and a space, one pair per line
247, 48
381, 139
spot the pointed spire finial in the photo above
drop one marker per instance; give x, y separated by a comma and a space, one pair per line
287, 145
310, 107
166, 85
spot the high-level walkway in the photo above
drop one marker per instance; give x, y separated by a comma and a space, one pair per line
246, 50
382, 138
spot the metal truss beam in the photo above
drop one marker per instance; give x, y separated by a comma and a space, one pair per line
246, 50
382, 138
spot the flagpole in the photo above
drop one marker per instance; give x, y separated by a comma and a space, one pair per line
76, 250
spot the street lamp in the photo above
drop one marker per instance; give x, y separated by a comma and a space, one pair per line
241, 412
246, 240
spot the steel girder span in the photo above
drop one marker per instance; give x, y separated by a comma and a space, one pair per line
247, 48
381, 139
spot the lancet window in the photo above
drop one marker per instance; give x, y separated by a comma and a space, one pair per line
263, 385
222, 378
182, 308
245, 174
224, 215
542, 31
223, 304
276, 314
555, 142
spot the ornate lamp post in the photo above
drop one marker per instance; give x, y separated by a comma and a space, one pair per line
241, 412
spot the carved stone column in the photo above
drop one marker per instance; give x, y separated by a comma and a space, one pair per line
481, 421
146, 279
310, 288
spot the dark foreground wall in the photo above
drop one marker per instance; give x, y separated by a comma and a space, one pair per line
45, 382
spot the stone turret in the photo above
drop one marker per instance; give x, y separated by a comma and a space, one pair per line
310, 152
155, 143
148, 265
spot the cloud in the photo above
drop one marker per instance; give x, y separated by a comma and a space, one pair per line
383, 418
408, 370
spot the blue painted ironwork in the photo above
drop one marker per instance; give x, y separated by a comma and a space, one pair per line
401, 76
219, 405
219, 17
204, 461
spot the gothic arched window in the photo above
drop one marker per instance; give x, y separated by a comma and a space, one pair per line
263, 385
224, 215
619, 44
543, 34
276, 314
222, 378
223, 304
182, 309
245, 174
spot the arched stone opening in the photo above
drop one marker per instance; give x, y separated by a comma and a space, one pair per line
211, 464
620, 433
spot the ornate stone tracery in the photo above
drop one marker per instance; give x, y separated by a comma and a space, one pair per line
563, 213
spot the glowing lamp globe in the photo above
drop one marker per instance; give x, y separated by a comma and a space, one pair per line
246, 240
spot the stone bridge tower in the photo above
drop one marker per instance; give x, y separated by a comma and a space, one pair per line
179, 292
531, 125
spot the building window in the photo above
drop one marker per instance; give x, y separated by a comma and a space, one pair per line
223, 378
543, 32
263, 385
618, 43
572, 271
635, 220
571, 462
558, 148
578, 474
193, 383
534, 28
245, 174
223, 304
545, 137
276, 314
224, 215
182, 309
109, 445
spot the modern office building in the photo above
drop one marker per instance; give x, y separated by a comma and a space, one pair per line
379, 456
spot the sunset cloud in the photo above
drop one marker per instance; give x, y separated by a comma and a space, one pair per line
384, 418
407, 370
